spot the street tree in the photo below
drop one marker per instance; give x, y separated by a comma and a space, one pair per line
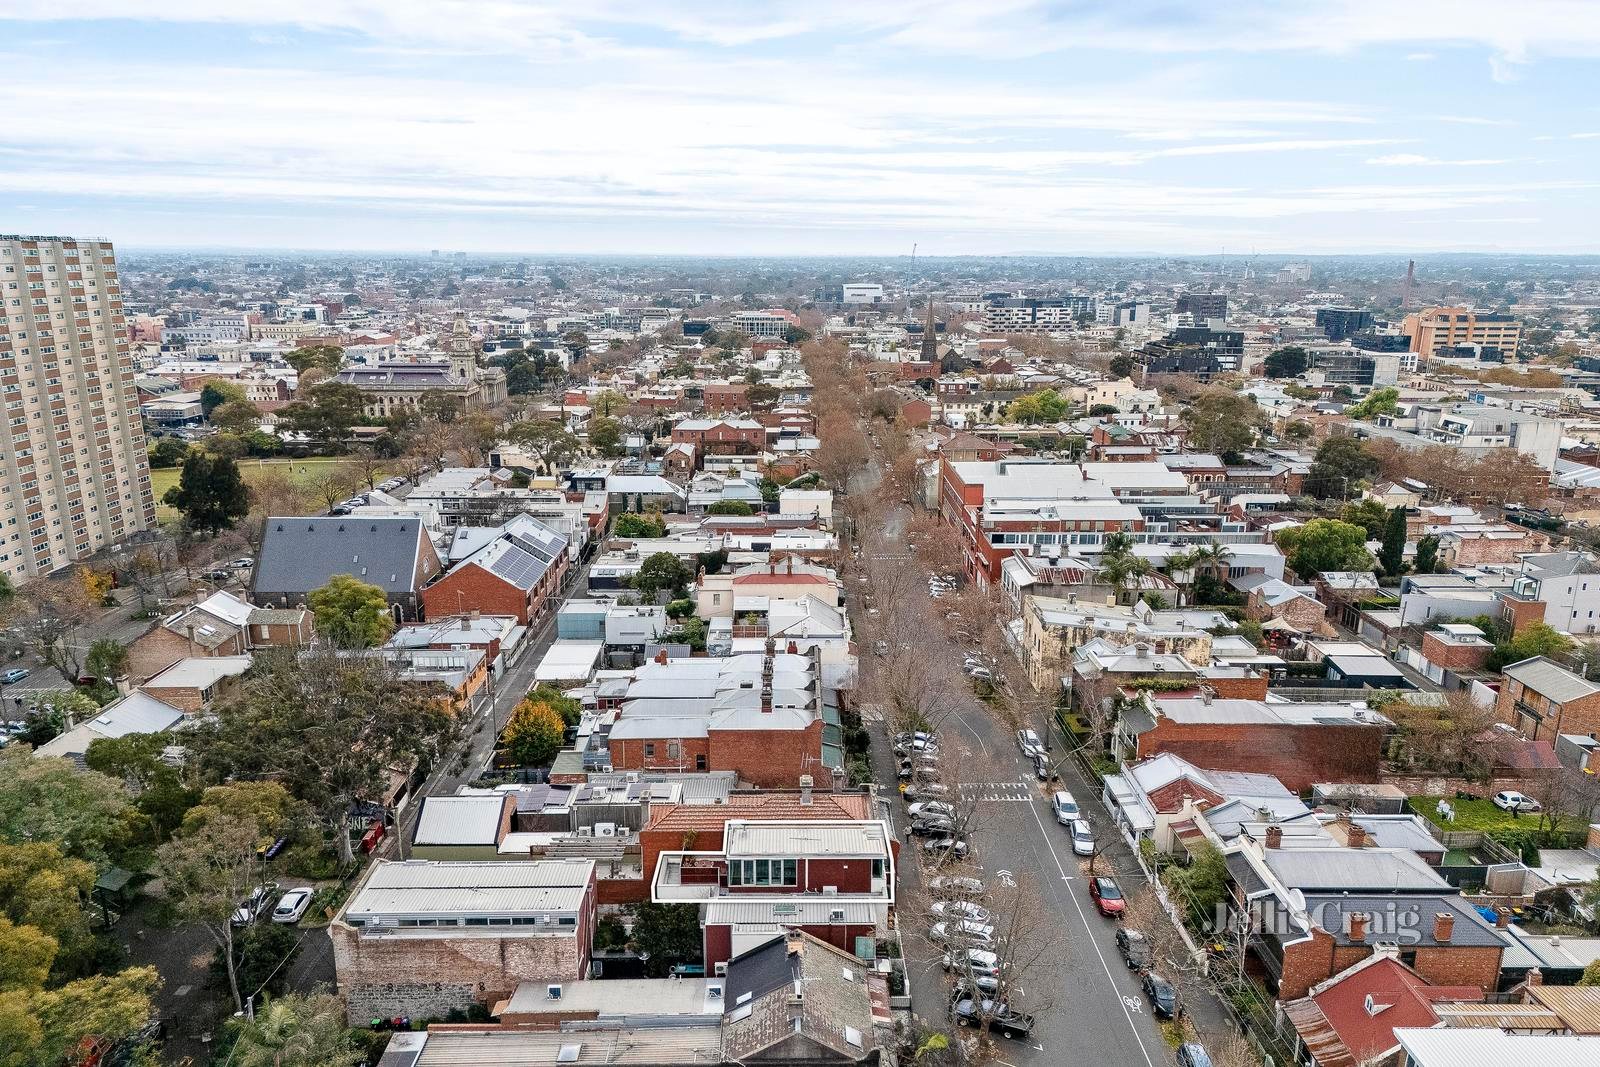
50, 613
211, 493
533, 734
352, 613
296, 1030
1223, 422
1341, 462
205, 874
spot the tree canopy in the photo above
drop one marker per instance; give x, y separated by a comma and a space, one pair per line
1223, 422
210, 492
605, 435
1046, 405
1325, 545
639, 526
1341, 462
352, 613
549, 443
41, 799
533, 734
663, 570
1378, 402
1287, 362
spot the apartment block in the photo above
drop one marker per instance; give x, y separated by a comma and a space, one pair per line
1432, 329
75, 477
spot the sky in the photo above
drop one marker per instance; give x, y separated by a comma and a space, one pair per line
813, 127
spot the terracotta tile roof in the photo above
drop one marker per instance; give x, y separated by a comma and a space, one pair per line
785, 805
1171, 796
1399, 997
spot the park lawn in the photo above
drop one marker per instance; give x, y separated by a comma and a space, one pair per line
301, 470
1479, 815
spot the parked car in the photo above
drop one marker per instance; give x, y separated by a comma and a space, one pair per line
252, 907
917, 790
1064, 806
1002, 1020
1134, 948
292, 906
975, 961
1192, 1054
959, 909
1082, 838
946, 843
954, 885
1107, 895
1044, 770
1030, 744
220, 574
1511, 800
243, 561
967, 931
932, 826
1162, 997
14, 675
932, 807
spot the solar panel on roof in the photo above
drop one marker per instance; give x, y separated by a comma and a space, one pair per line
518, 567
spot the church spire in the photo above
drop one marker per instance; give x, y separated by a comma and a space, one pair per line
930, 343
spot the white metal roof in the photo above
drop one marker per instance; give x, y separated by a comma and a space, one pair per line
515, 887
804, 838
462, 820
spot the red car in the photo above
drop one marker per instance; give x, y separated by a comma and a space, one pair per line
1106, 896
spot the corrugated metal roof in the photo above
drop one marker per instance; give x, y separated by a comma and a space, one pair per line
1377, 869
522, 1048
1578, 1006
1550, 680
461, 820
420, 887
797, 912
1476, 1047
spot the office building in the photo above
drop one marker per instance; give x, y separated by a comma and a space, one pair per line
1340, 323
1204, 306
1031, 314
1195, 350
76, 476
852, 293
1434, 329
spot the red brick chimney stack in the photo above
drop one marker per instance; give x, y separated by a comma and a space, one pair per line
1444, 925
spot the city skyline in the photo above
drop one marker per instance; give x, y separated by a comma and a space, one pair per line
823, 129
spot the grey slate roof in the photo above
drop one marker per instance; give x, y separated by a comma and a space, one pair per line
1353, 869
299, 554
1550, 680
1406, 919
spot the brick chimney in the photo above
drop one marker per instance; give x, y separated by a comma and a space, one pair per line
805, 790
766, 700
661, 655
1502, 918
1444, 925
1356, 836
1274, 837
1358, 926
1535, 976
793, 649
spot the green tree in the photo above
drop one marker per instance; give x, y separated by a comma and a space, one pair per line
1392, 556
326, 358
26, 953
548, 442
534, 734
168, 452
668, 933
691, 631
50, 800
663, 570
236, 416
1378, 402
268, 805
1201, 886
1287, 362
211, 493
570, 709
730, 507
1223, 422
205, 874
41, 889
1298, 430
1325, 545
107, 659
1537, 639
263, 955
297, 1031
326, 411
1121, 365
352, 613
1591, 975
217, 393
605, 435
1046, 405
1427, 561
329, 726
635, 527
1341, 462
1368, 514
40, 1028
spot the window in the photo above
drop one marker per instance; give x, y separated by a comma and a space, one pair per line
700, 762
761, 872
649, 750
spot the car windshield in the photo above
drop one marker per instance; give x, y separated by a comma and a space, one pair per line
1109, 891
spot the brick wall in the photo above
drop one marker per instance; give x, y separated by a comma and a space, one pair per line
1521, 613
1579, 716
155, 652
1297, 755
473, 588
421, 976
769, 759
629, 754
1252, 688
1455, 656
1309, 962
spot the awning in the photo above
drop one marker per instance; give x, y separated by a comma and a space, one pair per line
1281, 625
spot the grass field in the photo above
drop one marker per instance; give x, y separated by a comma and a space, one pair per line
301, 470
1475, 815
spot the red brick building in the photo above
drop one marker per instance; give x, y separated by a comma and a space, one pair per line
517, 574
720, 397
722, 437
1542, 699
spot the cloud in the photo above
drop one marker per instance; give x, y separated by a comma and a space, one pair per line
1420, 57
1409, 159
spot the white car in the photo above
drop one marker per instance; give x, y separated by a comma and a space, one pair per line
1030, 744
1511, 800
974, 933
959, 909
1065, 807
292, 906
931, 807
976, 960
1082, 838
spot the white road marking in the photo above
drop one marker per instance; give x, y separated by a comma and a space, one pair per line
1132, 1004
1093, 942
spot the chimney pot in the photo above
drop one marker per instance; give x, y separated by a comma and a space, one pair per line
1274, 837
1444, 925
1502, 918
1356, 836
1358, 926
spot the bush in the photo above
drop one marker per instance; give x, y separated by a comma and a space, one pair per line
678, 609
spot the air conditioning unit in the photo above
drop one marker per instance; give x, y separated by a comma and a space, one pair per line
714, 991
623, 831
552, 992
605, 829
585, 831
721, 971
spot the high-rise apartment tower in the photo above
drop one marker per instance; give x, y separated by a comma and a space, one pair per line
74, 476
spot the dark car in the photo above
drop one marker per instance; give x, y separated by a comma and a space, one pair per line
967, 1011
1134, 948
1106, 896
931, 826
1162, 997
945, 843
1191, 1054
